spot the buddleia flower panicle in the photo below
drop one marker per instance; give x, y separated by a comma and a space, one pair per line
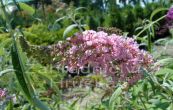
169, 15
169, 19
112, 55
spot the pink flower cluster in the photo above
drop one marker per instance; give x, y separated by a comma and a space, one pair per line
2, 93
169, 18
169, 15
113, 55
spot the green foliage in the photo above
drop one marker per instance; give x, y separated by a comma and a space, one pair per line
149, 28
5, 40
40, 34
5, 60
126, 18
44, 78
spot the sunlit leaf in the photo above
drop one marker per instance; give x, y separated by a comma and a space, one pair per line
6, 71
30, 10
170, 107
59, 19
166, 62
70, 28
114, 98
80, 8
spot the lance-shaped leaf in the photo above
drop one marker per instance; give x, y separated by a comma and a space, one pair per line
114, 98
19, 61
19, 71
6, 71
70, 28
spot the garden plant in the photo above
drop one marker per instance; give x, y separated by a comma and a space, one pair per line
86, 55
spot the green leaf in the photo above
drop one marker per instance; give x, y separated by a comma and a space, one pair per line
166, 62
114, 98
30, 10
171, 32
80, 8
170, 107
24, 82
40, 104
19, 70
155, 101
167, 75
6, 71
59, 19
68, 29
74, 103
161, 41
9, 106
156, 12
26, 107
151, 18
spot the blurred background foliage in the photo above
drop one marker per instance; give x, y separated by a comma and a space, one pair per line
123, 14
